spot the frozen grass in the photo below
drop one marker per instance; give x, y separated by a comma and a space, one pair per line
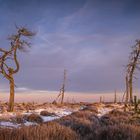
49, 131
94, 122
42, 113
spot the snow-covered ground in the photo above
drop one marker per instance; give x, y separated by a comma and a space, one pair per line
59, 112
103, 111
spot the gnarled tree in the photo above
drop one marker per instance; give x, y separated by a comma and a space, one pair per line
8, 59
134, 61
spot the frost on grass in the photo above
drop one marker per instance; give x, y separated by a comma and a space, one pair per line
53, 113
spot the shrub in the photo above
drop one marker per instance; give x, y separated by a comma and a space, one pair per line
81, 126
91, 108
119, 132
115, 117
18, 119
46, 113
85, 114
34, 118
116, 112
49, 131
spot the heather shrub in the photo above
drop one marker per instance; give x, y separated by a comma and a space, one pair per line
18, 119
49, 131
88, 115
119, 132
34, 118
85, 114
135, 119
46, 113
112, 120
93, 109
115, 117
81, 126
116, 112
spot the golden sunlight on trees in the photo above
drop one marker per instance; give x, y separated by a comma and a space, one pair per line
8, 59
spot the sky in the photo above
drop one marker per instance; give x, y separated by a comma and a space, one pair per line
91, 39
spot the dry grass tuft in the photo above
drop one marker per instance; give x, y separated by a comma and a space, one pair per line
82, 122
49, 131
115, 117
34, 118
46, 113
91, 108
18, 119
119, 132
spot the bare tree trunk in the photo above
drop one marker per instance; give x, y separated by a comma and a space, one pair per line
131, 90
62, 101
12, 94
127, 92
115, 97
63, 88
101, 99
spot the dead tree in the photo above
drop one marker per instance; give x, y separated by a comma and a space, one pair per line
101, 99
115, 97
62, 90
127, 90
8, 59
134, 61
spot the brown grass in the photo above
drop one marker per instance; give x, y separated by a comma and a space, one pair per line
117, 117
34, 118
49, 131
46, 113
119, 132
84, 123
18, 119
91, 108
81, 125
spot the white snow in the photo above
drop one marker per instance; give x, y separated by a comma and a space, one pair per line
59, 112
9, 124
27, 123
103, 110
49, 118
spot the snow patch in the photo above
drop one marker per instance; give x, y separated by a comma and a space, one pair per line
102, 111
27, 123
49, 118
59, 112
9, 124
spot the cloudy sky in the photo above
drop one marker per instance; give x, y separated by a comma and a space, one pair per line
89, 38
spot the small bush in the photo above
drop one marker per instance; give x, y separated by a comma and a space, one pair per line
119, 113
93, 109
34, 118
115, 117
119, 132
46, 113
81, 126
18, 119
85, 114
